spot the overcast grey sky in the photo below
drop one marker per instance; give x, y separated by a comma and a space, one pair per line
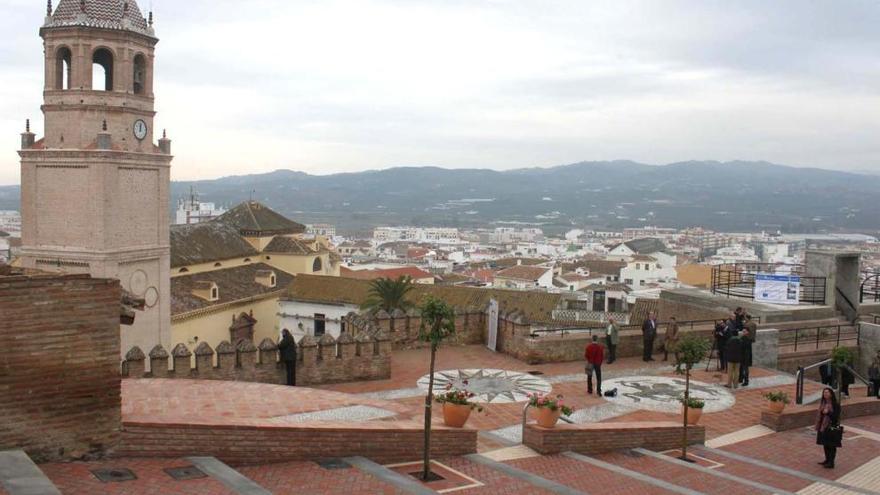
347, 85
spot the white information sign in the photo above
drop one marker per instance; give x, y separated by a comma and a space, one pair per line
777, 289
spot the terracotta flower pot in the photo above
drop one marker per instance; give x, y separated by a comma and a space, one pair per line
694, 415
776, 407
455, 415
545, 417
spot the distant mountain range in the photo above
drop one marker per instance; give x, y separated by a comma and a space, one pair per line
731, 196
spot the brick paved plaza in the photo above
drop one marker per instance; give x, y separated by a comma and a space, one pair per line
740, 456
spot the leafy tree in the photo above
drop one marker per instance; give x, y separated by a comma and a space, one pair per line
692, 349
438, 323
386, 294
841, 358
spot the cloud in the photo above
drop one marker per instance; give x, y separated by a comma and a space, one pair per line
343, 85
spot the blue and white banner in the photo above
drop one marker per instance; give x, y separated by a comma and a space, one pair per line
777, 289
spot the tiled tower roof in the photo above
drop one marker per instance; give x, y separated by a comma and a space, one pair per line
255, 218
106, 14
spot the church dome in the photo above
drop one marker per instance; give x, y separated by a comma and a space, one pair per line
105, 14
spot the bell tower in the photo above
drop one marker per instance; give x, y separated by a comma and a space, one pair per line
95, 188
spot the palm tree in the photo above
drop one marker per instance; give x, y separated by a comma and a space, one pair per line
386, 294
438, 323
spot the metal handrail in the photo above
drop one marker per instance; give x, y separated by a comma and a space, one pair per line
738, 280
860, 377
799, 394
589, 330
799, 387
836, 339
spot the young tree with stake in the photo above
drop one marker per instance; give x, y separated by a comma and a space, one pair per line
438, 323
691, 351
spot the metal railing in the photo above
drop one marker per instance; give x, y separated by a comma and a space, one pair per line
799, 387
870, 288
799, 390
684, 324
803, 337
738, 280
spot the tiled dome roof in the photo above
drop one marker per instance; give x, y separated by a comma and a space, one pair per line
106, 14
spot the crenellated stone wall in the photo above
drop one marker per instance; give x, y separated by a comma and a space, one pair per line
324, 360
404, 327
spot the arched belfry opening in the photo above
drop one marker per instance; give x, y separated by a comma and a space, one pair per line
140, 74
63, 59
102, 70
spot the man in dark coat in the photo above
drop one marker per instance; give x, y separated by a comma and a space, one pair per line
748, 336
733, 352
720, 342
649, 333
287, 346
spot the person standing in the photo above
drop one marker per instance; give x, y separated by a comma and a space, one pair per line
748, 338
874, 375
740, 318
733, 352
595, 355
828, 434
612, 337
649, 333
671, 342
287, 346
720, 342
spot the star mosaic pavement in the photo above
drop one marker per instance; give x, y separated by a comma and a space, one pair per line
489, 386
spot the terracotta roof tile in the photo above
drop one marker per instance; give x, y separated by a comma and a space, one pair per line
253, 218
412, 272
288, 245
106, 14
535, 305
205, 242
530, 273
234, 284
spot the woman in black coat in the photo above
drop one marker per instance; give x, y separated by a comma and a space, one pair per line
827, 418
287, 346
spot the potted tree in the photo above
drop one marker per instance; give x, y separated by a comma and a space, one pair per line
457, 406
776, 401
692, 349
548, 408
694, 408
438, 323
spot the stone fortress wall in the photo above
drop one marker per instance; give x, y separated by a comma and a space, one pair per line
324, 360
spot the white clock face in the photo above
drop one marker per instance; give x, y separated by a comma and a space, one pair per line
140, 129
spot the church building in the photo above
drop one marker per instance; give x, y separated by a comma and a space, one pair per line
94, 188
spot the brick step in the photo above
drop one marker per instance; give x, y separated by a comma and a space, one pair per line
304, 477
797, 450
766, 473
149, 476
686, 476
585, 477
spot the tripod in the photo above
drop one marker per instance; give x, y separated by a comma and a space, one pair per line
713, 354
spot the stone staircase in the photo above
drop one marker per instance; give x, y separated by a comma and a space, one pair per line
750, 462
